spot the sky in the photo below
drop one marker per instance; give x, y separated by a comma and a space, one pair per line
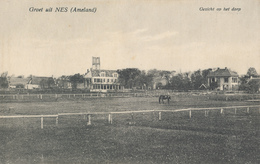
156, 34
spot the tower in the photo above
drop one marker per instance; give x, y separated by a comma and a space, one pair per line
96, 63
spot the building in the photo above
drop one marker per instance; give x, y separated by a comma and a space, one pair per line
36, 82
17, 82
63, 82
100, 80
223, 79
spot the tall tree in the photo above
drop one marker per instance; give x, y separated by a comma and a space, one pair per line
197, 79
252, 72
75, 79
4, 80
50, 82
129, 77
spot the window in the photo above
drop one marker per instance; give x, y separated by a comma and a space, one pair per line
115, 74
226, 79
107, 80
104, 80
234, 80
115, 80
102, 74
95, 80
213, 80
111, 80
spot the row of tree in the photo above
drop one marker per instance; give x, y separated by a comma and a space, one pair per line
133, 77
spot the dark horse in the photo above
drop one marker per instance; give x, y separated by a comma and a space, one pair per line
164, 97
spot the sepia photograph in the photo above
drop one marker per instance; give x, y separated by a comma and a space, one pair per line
130, 82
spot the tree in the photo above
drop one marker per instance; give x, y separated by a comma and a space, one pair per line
50, 82
177, 82
253, 86
197, 79
4, 80
129, 77
75, 79
252, 72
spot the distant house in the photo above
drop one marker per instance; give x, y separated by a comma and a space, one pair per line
17, 82
203, 87
36, 82
159, 82
102, 80
224, 79
64, 82
161, 78
99, 80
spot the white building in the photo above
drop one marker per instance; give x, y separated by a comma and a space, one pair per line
224, 78
99, 80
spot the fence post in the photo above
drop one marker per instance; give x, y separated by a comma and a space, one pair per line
190, 114
57, 119
235, 110
89, 119
221, 111
56, 96
247, 110
41, 122
160, 116
41, 97
74, 95
110, 118
206, 113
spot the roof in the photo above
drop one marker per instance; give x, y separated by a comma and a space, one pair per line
223, 73
203, 86
37, 80
18, 80
96, 73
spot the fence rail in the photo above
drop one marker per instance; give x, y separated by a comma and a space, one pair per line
87, 115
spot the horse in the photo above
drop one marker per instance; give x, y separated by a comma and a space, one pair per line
164, 97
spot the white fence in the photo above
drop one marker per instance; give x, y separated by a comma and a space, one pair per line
87, 115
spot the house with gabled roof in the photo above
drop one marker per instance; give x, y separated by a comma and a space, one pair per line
17, 82
101, 80
225, 79
36, 82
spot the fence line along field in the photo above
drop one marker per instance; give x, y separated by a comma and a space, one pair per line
130, 129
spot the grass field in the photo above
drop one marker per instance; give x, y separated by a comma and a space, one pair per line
138, 138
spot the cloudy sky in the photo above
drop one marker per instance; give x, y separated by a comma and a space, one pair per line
161, 34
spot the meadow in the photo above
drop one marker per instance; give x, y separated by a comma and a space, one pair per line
174, 137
